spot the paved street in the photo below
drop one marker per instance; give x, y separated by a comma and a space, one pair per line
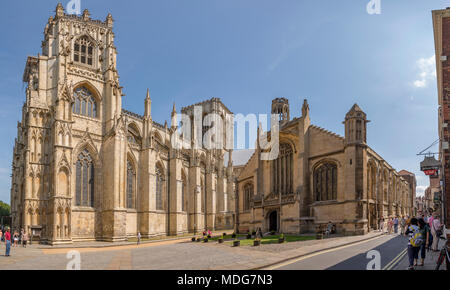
334, 253
351, 257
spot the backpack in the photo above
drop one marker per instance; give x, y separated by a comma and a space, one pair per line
416, 239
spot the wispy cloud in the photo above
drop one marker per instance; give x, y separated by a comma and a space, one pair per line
427, 67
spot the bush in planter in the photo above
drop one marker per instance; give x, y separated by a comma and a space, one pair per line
257, 242
194, 239
205, 240
249, 236
221, 239
224, 235
272, 233
281, 239
233, 236
199, 239
236, 243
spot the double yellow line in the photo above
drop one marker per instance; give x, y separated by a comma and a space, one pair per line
395, 261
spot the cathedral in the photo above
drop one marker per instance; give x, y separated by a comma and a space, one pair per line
320, 177
85, 169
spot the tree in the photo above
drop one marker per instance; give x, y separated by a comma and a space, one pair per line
5, 209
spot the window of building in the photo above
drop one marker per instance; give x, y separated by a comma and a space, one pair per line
325, 182
131, 185
83, 51
248, 193
282, 168
85, 103
159, 188
85, 180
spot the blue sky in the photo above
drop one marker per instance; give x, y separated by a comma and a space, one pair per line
332, 53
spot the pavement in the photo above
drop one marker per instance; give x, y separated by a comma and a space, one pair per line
173, 254
429, 262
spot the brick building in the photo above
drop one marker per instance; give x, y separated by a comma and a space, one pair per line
441, 26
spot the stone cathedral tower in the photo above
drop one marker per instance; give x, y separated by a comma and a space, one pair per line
86, 169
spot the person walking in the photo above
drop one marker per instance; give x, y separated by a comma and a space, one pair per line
7, 242
414, 242
395, 225
24, 239
402, 225
424, 229
1, 237
390, 224
16, 239
382, 225
139, 238
436, 232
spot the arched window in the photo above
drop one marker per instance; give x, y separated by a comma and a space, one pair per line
83, 51
133, 136
159, 188
85, 103
248, 193
131, 186
183, 192
85, 180
282, 177
325, 182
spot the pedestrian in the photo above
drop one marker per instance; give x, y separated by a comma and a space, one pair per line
16, 239
7, 242
1, 237
414, 242
24, 239
436, 231
139, 238
382, 225
396, 224
390, 224
402, 225
425, 233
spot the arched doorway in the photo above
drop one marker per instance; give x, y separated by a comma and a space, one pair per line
273, 221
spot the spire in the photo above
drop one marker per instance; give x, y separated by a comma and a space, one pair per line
305, 108
59, 10
174, 116
109, 20
86, 15
148, 106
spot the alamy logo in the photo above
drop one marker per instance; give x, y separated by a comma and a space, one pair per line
74, 258
375, 260
74, 7
374, 7
213, 131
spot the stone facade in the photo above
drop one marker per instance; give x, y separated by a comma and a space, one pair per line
320, 177
86, 169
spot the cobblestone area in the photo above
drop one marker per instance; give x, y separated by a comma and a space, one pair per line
171, 254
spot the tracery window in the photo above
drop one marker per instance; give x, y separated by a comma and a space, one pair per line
85, 103
282, 168
131, 185
325, 182
85, 180
248, 193
183, 193
159, 188
83, 51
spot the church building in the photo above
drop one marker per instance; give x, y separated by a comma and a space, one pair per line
320, 177
86, 169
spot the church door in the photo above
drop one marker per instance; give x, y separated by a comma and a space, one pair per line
273, 221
